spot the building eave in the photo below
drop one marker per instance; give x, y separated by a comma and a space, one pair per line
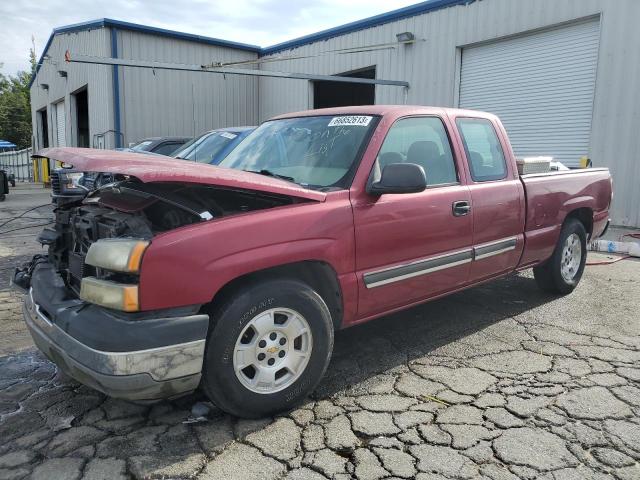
376, 20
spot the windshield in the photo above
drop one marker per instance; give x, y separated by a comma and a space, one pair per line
316, 152
206, 147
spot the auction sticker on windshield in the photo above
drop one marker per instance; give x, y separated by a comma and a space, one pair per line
228, 135
350, 120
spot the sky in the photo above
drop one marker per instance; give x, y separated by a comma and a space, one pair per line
258, 22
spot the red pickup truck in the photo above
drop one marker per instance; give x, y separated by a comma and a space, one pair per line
177, 275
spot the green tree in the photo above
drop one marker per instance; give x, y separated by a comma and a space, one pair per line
15, 106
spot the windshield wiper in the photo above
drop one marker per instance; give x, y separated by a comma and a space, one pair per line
269, 173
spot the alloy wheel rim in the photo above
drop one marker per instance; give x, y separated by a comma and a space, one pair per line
273, 350
571, 257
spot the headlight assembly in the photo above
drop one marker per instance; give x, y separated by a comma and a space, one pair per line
69, 183
72, 179
117, 254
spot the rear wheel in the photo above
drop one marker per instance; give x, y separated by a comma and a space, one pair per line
270, 347
563, 271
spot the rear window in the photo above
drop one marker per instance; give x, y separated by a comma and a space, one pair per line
483, 149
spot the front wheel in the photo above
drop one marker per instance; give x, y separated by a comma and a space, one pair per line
271, 345
563, 271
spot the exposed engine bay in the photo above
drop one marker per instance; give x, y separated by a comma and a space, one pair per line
132, 209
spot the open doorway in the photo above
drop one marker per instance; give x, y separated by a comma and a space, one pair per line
328, 94
43, 128
82, 117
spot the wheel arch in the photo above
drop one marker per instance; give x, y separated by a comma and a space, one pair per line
585, 216
318, 274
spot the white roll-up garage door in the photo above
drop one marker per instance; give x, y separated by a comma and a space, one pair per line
60, 125
540, 85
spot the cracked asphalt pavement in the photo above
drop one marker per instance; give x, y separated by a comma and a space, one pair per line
498, 382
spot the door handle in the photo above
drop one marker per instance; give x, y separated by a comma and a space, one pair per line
460, 208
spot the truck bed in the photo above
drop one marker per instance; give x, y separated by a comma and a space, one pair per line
550, 196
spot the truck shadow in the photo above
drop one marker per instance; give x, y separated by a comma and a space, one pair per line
437, 327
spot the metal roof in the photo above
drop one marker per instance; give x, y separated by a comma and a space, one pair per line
417, 9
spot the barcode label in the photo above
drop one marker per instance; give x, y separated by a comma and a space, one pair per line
350, 120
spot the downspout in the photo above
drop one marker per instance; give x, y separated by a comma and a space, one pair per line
116, 89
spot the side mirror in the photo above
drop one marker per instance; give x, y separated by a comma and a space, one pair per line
399, 178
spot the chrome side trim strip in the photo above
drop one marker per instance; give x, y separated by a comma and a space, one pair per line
162, 363
487, 250
492, 253
422, 267
417, 268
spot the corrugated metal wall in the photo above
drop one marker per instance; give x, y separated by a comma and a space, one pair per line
152, 103
165, 102
432, 66
96, 77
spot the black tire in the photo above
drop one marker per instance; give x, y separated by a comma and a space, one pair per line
548, 275
13, 183
2, 197
219, 379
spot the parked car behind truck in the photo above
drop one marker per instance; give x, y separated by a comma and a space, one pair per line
158, 145
212, 147
182, 275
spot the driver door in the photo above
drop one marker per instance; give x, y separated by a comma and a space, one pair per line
410, 247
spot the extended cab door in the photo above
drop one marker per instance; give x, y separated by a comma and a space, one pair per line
410, 247
497, 196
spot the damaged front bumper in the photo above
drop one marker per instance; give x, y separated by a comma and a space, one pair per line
140, 357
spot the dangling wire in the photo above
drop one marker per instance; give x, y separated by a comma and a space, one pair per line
26, 227
23, 214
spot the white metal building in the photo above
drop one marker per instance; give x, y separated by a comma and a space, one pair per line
562, 74
107, 106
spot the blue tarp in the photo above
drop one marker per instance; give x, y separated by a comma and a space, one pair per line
7, 144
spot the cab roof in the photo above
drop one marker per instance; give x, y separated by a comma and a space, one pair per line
386, 110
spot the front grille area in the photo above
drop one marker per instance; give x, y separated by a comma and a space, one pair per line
55, 183
76, 265
79, 227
